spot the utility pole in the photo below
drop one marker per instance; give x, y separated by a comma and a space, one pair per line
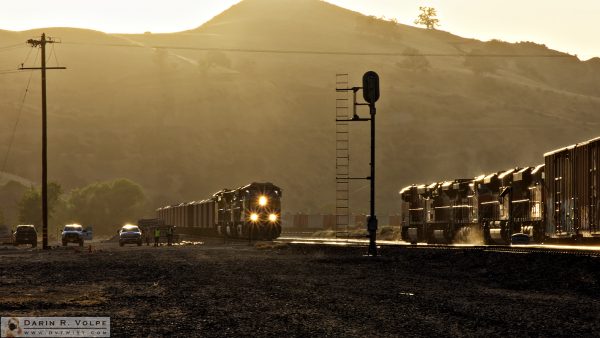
370, 90
42, 44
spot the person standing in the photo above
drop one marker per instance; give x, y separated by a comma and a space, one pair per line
169, 236
156, 236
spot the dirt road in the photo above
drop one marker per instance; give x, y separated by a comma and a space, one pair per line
236, 289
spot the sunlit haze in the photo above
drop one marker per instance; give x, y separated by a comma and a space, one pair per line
569, 26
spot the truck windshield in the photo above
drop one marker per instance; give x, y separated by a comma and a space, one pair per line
73, 229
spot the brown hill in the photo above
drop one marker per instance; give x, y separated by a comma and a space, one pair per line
188, 118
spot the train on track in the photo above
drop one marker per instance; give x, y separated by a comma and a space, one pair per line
557, 200
250, 212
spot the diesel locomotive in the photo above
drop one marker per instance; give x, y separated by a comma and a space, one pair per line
557, 200
250, 212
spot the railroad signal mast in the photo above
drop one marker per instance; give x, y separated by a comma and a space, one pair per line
42, 44
370, 90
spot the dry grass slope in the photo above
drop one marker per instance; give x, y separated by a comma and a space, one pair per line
186, 122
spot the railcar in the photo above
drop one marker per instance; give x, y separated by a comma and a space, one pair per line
527, 200
572, 198
495, 206
440, 212
559, 199
464, 210
414, 213
249, 212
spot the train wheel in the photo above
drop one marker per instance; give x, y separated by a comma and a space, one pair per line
269, 232
264, 232
487, 240
273, 233
253, 233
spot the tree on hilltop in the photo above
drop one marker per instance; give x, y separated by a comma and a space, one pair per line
428, 17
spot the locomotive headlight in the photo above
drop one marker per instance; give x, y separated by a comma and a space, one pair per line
272, 217
254, 217
262, 201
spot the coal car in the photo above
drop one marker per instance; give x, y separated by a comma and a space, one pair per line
249, 212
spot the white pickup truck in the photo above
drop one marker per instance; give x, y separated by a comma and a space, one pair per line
74, 233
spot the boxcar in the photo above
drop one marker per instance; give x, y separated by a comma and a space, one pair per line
572, 191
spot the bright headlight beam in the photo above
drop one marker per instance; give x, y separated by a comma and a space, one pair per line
262, 201
254, 217
272, 217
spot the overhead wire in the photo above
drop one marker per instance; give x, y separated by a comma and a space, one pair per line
11, 47
323, 52
55, 56
20, 111
11, 71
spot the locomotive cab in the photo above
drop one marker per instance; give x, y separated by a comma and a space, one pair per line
453, 207
413, 213
527, 203
260, 211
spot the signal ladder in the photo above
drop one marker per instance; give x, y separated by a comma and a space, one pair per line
342, 156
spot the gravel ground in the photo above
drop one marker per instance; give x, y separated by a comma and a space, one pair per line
283, 290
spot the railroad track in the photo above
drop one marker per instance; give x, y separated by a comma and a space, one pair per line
593, 251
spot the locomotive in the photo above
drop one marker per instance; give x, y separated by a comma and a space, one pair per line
557, 200
250, 212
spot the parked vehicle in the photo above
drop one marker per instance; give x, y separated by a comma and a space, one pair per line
130, 234
72, 233
6, 235
25, 234
88, 233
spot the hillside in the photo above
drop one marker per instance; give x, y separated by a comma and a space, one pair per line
185, 120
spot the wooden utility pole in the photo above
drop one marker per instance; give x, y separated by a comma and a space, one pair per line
42, 44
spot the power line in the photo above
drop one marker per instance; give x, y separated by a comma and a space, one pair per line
325, 52
11, 46
14, 130
55, 56
13, 71
27, 57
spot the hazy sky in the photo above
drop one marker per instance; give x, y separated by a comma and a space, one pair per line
568, 25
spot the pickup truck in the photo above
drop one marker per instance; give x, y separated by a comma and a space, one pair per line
73, 233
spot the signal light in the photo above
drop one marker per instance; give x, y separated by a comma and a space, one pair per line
371, 87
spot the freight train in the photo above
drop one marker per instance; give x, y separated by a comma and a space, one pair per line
250, 212
557, 200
